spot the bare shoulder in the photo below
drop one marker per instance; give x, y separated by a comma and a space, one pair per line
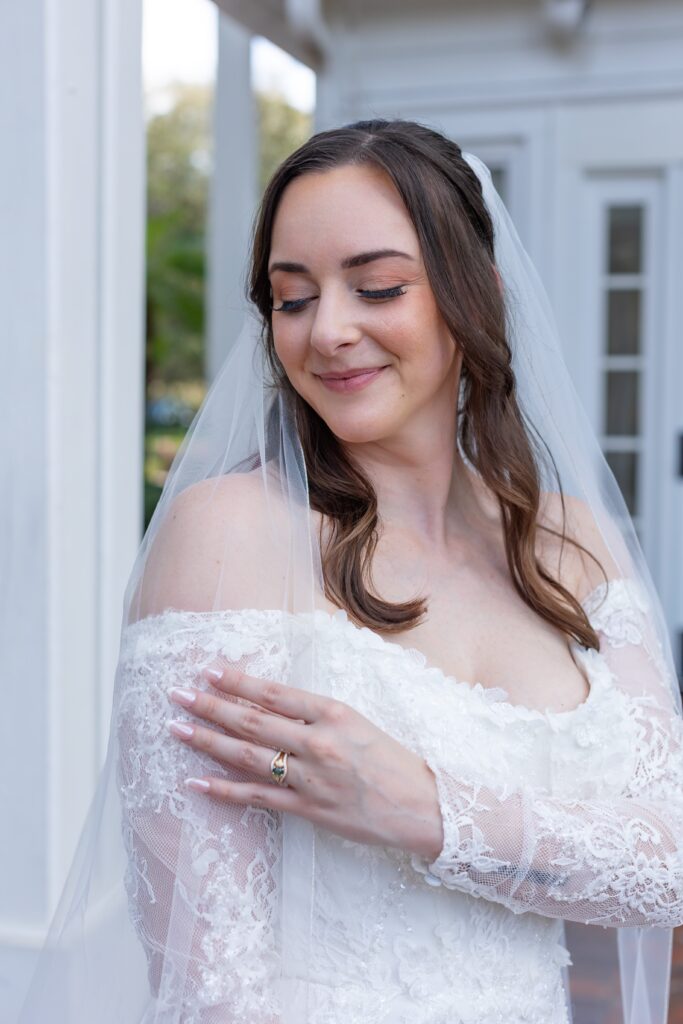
215, 547
234, 498
574, 568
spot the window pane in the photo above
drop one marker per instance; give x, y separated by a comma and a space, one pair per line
622, 402
624, 465
624, 240
623, 322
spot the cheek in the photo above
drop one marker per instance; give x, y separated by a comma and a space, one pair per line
289, 349
425, 363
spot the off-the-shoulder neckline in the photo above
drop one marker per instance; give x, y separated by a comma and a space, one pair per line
595, 666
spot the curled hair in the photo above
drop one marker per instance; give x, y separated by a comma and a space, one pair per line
443, 197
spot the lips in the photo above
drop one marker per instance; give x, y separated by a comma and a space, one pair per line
344, 374
352, 380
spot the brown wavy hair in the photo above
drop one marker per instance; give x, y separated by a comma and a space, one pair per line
443, 197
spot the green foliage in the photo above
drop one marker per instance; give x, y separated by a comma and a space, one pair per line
179, 154
282, 129
178, 168
179, 165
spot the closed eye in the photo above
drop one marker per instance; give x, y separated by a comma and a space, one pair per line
294, 305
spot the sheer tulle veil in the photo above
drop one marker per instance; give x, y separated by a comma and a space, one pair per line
98, 962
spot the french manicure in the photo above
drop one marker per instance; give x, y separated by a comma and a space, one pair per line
180, 728
199, 784
180, 696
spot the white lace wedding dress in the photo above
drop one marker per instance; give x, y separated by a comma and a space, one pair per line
571, 815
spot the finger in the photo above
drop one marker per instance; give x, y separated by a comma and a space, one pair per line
278, 798
244, 720
231, 751
282, 699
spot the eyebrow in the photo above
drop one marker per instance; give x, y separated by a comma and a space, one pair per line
359, 260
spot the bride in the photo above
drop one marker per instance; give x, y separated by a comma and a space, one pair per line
393, 701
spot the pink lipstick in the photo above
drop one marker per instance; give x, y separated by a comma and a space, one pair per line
351, 380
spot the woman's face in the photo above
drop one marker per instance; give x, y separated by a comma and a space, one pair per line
325, 265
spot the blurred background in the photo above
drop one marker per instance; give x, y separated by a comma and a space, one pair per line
180, 53
137, 138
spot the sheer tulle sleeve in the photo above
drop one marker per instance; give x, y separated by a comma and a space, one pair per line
614, 862
202, 874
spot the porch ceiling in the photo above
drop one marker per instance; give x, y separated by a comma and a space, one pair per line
288, 24
268, 18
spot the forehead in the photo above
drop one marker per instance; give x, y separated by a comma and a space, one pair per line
327, 215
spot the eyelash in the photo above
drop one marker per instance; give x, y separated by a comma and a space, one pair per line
296, 305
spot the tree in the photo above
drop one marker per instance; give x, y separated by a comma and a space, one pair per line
282, 129
178, 169
179, 165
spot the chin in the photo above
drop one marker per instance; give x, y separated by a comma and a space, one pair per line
353, 432
353, 427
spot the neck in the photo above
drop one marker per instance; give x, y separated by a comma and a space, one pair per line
423, 487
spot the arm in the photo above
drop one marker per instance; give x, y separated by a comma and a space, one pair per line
615, 862
200, 876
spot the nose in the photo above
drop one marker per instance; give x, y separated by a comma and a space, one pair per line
334, 325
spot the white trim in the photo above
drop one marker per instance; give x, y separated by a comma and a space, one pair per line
670, 512
600, 191
71, 337
511, 93
95, 180
232, 193
307, 22
268, 18
122, 206
87, 275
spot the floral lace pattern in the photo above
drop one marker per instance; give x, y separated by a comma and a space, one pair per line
396, 939
611, 860
214, 876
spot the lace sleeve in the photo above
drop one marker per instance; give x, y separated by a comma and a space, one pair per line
201, 874
615, 862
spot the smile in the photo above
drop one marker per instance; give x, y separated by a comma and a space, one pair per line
353, 383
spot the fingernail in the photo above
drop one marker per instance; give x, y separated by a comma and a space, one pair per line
180, 696
180, 728
214, 674
199, 784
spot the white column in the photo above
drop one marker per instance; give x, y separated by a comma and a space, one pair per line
71, 292
233, 191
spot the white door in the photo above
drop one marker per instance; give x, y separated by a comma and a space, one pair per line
618, 245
